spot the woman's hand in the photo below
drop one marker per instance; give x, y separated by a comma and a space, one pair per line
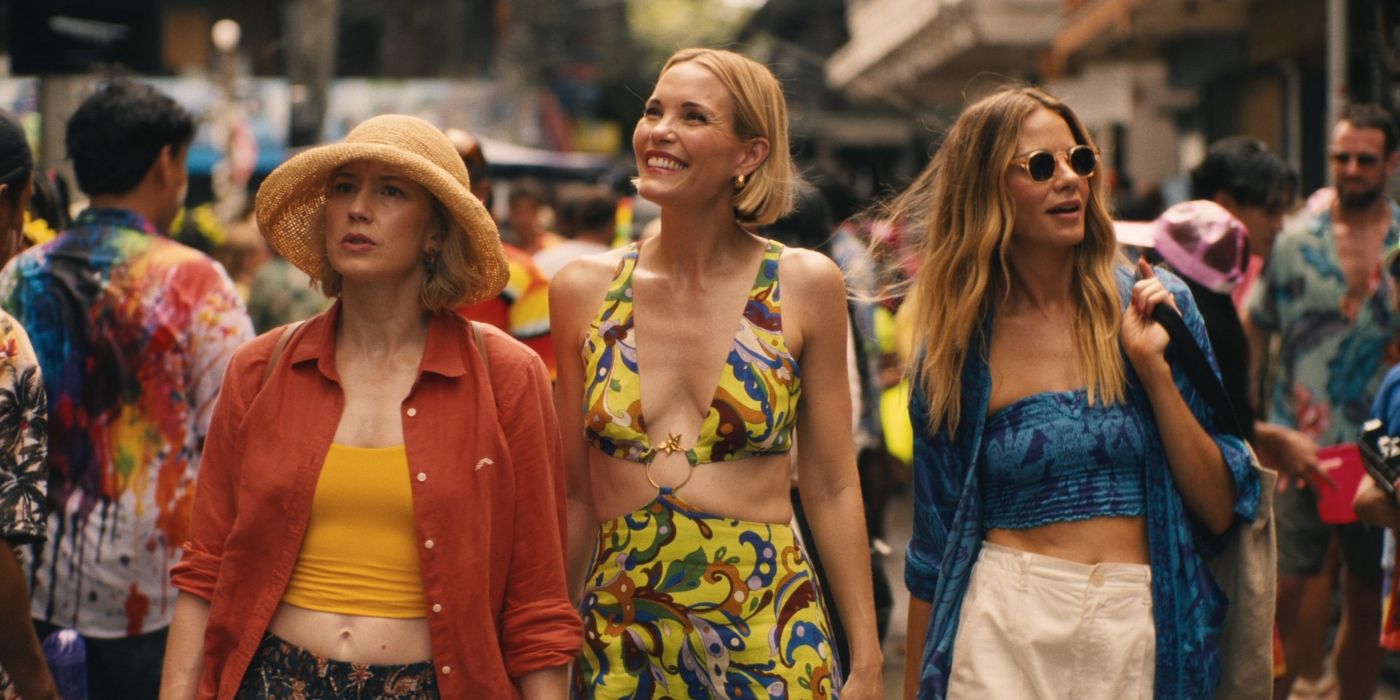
864, 684
1204, 480
1145, 340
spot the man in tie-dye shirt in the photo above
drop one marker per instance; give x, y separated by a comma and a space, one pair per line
133, 332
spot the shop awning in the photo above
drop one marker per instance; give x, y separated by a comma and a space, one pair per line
929, 51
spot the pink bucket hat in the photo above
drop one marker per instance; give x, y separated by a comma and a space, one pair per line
1204, 243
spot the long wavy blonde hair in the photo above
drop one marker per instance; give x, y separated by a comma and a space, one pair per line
962, 212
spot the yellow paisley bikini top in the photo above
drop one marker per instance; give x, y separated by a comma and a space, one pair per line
755, 402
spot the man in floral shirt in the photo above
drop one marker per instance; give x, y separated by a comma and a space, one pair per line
1324, 292
23, 477
133, 332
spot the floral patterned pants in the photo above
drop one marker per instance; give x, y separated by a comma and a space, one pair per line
281, 671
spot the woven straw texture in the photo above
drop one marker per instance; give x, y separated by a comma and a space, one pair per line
292, 199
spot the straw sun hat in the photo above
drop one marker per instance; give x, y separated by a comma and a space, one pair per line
291, 200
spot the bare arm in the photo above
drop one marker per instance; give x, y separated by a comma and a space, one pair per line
915, 635
20, 653
184, 648
827, 478
545, 684
1200, 472
569, 295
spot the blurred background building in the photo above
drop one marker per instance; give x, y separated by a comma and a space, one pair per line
871, 82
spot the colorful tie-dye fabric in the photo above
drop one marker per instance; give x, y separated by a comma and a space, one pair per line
1335, 348
133, 332
755, 403
685, 604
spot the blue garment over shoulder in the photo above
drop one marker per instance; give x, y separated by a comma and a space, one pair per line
1188, 608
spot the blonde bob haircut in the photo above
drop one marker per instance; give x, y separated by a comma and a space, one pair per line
760, 110
449, 286
962, 212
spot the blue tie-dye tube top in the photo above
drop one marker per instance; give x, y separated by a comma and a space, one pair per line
1053, 457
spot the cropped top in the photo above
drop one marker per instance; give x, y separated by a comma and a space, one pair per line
1053, 457
755, 402
360, 552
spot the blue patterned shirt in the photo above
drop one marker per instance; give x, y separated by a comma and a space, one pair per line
1333, 352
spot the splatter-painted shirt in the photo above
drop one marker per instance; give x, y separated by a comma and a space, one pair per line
133, 332
1335, 348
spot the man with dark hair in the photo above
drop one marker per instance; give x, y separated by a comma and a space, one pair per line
1242, 175
133, 332
524, 202
1324, 291
590, 218
1255, 186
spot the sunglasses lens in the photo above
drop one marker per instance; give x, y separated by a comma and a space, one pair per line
1041, 166
1083, 160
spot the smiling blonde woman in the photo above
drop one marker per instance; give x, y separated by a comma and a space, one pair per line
693, 584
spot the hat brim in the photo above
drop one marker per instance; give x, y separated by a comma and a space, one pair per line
291, 202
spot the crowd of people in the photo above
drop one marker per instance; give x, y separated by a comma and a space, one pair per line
397, 449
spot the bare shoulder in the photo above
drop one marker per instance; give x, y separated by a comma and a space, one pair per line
814, 300
807, 274
585, 278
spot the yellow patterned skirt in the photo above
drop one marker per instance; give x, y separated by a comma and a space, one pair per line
685, 604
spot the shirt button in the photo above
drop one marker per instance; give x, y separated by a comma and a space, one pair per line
446, 670
437, 607
428, 544
412, 412
422, 476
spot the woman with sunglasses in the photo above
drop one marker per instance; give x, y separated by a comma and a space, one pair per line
1066, 493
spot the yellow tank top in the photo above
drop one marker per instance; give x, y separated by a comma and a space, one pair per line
360, 554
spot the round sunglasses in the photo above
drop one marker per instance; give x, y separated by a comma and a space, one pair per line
1041, 165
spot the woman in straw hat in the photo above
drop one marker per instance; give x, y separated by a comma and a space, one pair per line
679, 481
1066, 489
380, 507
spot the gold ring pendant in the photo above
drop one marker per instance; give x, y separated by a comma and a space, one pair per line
671, 445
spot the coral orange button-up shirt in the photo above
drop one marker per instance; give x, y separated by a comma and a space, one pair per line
488, 501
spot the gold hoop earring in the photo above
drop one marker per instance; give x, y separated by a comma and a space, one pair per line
740, 181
